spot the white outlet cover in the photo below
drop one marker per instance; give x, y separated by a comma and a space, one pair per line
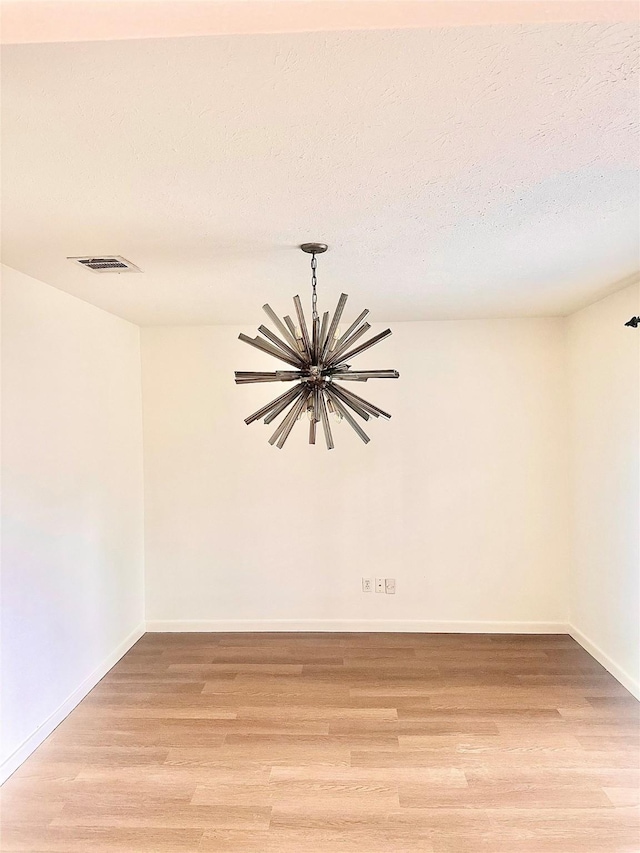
367, 584
390, 586
380, 584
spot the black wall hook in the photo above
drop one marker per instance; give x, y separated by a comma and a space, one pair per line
634, 322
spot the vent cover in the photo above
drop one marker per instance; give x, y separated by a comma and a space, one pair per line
108, 263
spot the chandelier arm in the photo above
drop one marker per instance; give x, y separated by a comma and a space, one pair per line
325, 422
347, 416
374, 410
287, 397
292, 329
303, 328
366, 345
281, 406
275, 340
258, 343
359, 401
286, 333
279, 353
351, 328
335, 356
292, 374
263, 381
315, 344
273, 350
364, 375
357, 408
246, 377
304, 400
334, 324
285, 420
331, 409
323, 332
298, 410
289, 418
312, 420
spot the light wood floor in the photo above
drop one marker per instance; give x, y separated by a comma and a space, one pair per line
338, 743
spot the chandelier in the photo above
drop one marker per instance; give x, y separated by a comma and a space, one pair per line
319, 359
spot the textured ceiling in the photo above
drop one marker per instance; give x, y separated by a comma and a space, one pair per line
33, 21
467, 172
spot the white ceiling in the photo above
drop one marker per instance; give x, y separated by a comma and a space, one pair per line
465, 172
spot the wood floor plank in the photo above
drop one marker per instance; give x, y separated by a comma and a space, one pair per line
326, 840
507, 796
349, 743
442, 776
109, 839
170, 813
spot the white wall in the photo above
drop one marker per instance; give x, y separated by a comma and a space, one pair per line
604, 374
462, 496
72, 531
468, 497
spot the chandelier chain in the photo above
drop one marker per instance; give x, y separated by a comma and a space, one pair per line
314, 282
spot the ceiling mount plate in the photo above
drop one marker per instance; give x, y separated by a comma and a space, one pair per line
314, 248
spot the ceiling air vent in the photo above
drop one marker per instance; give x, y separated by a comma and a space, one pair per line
108, 263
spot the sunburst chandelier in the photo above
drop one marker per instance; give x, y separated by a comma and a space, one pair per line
320, 363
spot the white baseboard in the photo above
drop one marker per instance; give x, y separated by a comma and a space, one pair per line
11, 764
631, 684
354, 625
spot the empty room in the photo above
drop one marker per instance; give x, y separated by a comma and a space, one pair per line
320, 426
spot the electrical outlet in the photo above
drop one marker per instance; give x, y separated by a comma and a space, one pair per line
367, 585
379, 584
390, 586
